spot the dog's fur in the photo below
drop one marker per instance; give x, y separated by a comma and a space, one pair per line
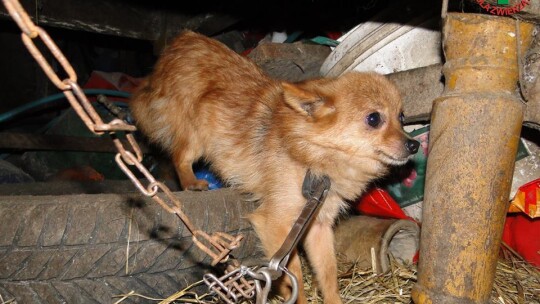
262, 135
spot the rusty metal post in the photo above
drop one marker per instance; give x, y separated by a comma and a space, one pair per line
475, 128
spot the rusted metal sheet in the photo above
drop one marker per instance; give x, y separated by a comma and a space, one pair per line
475, 129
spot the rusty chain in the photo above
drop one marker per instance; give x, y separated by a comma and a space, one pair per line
233, 286
219, 244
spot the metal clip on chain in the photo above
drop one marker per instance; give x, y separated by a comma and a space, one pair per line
232, 286
219, 244
315, 189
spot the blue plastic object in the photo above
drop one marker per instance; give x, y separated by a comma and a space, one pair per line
213, 181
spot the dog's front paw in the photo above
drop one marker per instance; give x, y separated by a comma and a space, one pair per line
197, 185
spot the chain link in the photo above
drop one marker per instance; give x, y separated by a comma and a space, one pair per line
219, 244
233, 286
21, 18
42, 61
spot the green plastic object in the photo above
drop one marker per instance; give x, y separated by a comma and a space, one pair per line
324, 41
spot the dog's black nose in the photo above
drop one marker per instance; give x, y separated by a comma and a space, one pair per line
412, 146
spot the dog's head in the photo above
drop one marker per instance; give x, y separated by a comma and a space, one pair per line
356, 118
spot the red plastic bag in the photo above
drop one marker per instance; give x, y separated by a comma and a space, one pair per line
523, 235
377, 202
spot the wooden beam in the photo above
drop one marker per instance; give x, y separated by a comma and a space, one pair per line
133, 19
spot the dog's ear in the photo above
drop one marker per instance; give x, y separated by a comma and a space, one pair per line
306, 102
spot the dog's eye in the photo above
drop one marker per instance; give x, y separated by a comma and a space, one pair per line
374, 119
402, 118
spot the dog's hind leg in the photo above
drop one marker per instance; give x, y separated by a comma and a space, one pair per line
183, 157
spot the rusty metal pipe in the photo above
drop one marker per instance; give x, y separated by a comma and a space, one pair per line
475, 129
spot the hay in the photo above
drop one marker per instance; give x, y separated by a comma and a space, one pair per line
516, 282
364, 286
183, 296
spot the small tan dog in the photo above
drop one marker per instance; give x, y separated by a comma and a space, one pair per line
262, 135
